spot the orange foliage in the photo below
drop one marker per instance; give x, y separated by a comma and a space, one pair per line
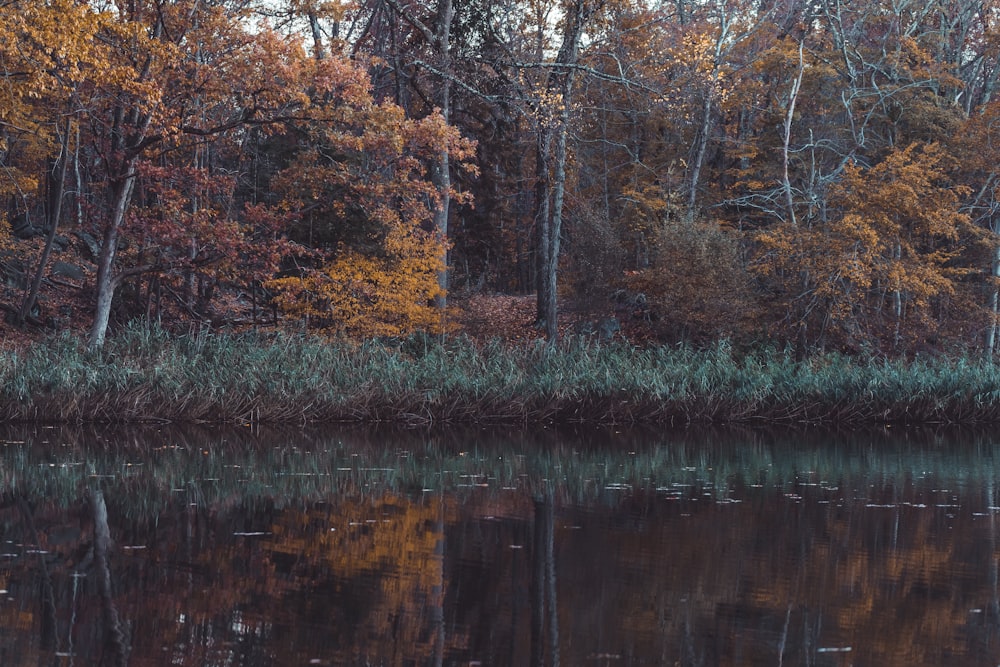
360, 296
886, 250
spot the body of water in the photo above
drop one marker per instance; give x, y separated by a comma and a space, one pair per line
248, 548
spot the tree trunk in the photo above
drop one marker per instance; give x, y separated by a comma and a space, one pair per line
106, 281
994, 305
441, 170
699, 155
555, 227
440, 40
897, 302
786, 182
549, 216
55, 212
317, 34
542, 224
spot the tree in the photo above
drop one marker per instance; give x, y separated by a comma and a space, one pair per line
439, 41
48, 53
886, 251
553, 111
362, 182
194, 75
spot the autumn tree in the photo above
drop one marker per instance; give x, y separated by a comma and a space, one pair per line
437, 37
183, 73
976, 148
40, 104
361, 183
887, 250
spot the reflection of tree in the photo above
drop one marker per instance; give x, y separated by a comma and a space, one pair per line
115, 649
48, 621
984, 623
544, 603
437, 590
73, 569
451, 577
382, 561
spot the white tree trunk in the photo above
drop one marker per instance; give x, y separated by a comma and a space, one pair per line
106, 281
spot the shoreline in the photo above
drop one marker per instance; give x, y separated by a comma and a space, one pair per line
148, 376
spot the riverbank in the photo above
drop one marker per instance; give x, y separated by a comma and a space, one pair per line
144, 375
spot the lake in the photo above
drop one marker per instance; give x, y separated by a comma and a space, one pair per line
335, 546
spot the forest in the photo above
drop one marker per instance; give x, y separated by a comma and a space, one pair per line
818, 176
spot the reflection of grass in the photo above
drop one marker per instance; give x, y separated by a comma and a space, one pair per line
143, 470
145, 374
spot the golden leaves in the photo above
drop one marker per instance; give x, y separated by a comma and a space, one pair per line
892, 233
362, 295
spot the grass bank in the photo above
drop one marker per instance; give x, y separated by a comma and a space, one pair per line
146, 375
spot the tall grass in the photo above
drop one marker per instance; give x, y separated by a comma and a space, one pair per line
145, 374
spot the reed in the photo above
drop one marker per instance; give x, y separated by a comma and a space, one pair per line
146, 374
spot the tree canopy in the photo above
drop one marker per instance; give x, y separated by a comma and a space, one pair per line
818, 175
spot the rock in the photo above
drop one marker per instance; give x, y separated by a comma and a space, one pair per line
607, 327
604, 329
22, 228
14, 274
67, 270
89, 248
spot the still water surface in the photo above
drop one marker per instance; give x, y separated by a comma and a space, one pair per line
251, 548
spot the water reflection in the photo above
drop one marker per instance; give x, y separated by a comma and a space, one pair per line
470, 547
